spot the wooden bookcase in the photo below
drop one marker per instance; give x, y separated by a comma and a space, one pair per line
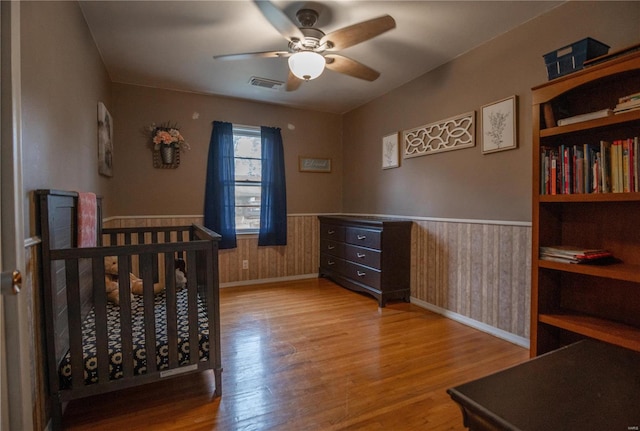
570, 302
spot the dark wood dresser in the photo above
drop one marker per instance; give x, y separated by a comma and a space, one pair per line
587, 386
367, 254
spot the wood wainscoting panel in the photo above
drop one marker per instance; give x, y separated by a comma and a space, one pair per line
478, 270
300, 257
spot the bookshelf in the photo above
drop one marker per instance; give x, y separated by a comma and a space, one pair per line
570, 302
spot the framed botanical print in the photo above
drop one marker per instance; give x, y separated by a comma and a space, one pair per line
499, 125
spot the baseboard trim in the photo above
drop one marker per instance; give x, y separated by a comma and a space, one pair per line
507, 336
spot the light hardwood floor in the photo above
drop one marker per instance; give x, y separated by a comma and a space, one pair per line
310, 355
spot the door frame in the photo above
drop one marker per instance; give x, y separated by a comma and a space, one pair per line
18, 382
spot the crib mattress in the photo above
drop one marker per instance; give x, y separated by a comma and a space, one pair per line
139, 350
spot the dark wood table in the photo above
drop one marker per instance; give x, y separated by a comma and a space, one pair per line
588, 385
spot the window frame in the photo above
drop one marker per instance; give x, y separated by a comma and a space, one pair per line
248, 131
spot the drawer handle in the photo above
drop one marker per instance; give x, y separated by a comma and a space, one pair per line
331, 262
361, 255
361, 237
331, 232
331, 247
361, 274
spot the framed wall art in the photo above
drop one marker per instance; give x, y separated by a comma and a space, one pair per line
314, 164
390, 151
499, 130
105, 141
453, 133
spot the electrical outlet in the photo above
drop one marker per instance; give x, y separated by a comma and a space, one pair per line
245, 264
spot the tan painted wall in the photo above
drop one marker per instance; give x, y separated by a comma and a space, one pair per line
466, 184
63, 79
141, 189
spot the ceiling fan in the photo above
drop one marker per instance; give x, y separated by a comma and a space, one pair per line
310, 50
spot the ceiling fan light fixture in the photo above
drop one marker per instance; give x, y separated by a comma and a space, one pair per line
307, 65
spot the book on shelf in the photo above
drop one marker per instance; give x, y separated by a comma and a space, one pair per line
586, 117
603, 167
627, 98
622, 111
627, 103
573, 254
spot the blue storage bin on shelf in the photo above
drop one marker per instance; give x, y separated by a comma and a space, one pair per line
571, 58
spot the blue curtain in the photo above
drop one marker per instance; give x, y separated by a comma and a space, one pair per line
219, 199
273, 203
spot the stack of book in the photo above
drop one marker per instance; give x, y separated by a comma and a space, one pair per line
571, 254
628, 103
604, 167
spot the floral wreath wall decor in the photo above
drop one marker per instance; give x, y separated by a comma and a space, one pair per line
167, 143
499, 128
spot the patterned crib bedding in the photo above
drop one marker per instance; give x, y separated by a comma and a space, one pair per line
139, 351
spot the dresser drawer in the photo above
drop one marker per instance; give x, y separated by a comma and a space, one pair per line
332, 232
362, 274
364, 237
362, 256
332, 247
332, 263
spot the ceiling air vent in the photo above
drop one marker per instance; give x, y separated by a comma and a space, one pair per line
266, 83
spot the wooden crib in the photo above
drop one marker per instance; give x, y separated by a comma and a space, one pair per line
94, 346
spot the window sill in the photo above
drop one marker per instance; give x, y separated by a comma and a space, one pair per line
247, 232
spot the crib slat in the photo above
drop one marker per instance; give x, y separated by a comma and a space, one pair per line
194, 345
172, 314
154, 262
149, 312
100, 310
74, 314
125, 315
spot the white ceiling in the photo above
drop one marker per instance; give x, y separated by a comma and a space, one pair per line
170, 44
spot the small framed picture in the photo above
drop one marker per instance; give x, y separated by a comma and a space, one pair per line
390, 151
105, 143
314, 164
499, 125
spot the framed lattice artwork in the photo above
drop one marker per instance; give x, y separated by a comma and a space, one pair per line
453, 133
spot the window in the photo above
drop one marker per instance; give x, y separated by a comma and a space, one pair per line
246, 184
247, 155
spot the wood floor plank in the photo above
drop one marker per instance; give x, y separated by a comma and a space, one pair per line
310, 355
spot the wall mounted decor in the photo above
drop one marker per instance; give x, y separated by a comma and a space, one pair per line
314, 164
454, 133
167, 142
105, 143
390, 151
499, 130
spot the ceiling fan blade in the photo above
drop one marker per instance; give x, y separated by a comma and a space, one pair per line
339, 63
354, 34
293, 82
279, 20
248, 55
